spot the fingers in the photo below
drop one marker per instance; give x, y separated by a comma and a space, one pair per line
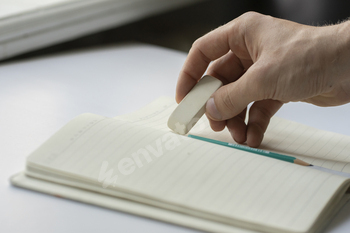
237, 127
204, 50
229, 68
231, 99
217, 125
260, 114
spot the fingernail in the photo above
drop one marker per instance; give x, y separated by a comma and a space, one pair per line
212, 110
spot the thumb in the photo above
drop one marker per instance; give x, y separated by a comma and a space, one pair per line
231, 99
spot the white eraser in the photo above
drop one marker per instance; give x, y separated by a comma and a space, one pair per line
192, 107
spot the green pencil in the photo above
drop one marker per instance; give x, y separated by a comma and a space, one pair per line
286, 158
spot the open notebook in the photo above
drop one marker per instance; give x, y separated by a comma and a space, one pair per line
134, 163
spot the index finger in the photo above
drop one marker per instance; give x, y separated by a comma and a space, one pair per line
204, 50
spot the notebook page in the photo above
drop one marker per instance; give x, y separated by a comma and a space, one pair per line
154, 115
69, 191
190, 176
318, 147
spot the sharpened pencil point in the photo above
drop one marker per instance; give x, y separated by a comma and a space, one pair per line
301, 162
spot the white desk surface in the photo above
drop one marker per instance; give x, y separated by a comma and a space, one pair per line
39, 96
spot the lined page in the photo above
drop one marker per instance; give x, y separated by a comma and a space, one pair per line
187, 175
318, 147
315, 146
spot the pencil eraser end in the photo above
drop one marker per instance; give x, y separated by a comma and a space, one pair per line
192, 107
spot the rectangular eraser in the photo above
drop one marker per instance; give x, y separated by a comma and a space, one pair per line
192, 107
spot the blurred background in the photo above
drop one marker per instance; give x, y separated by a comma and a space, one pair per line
178, 28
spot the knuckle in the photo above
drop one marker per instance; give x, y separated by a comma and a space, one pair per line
251, 16
243, 20
196, 44
197, 47
253, 20
235, 28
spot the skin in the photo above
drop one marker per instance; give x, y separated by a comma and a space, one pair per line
268, 62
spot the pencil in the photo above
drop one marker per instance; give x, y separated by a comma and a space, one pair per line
266, 153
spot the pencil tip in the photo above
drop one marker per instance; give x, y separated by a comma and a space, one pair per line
301, 162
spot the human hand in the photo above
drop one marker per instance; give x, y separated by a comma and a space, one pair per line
267, 61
